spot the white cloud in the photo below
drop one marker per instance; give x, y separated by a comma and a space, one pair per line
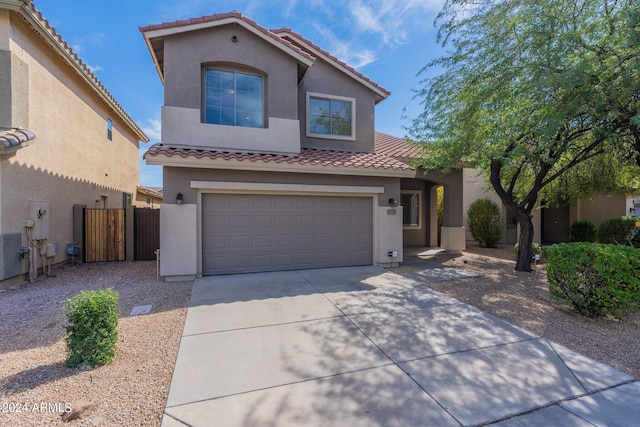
153, 130
344, 50
95, 68
393, 20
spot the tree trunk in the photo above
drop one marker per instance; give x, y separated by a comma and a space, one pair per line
523, 262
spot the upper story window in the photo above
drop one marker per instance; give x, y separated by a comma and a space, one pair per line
109, 130
331, 117
233, 98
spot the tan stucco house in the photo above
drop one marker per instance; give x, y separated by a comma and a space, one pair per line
64, 141
148, 197
268, 143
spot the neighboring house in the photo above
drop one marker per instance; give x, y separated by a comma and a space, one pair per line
148, 197
551, 225
64, 141
268, 143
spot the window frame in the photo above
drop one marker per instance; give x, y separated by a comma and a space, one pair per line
109, 129
417, 193
234, 71
316, 95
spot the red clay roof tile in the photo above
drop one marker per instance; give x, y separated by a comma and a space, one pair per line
396, 147
308, 156
286, 30
10, 138
221, 16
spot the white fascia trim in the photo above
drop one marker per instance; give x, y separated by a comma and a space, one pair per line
265, 188
163, 32
319, 54
248, 165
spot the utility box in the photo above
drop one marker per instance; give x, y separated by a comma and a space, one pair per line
39, 213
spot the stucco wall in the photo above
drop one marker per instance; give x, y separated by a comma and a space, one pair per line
71, 161
185, 54
601, 207
178, 180
326, 79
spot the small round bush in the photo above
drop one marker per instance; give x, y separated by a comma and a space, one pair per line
583, 231
484, 222
595, 279
92, 330
616, 230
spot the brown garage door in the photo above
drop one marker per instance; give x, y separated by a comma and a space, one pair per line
247, 233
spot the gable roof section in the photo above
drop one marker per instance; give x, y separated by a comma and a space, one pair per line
154, 34
398, 148
33, 17
13, 139
308, 161
287, 33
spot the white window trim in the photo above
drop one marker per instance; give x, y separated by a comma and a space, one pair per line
419, 225
351, 137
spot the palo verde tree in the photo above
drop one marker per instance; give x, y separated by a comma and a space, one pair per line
533, 92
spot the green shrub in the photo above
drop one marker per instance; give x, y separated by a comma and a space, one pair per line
616, 230
484, 222
92, 326
595, 279
583, 231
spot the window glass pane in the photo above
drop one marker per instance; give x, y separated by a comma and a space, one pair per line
330, 117
319, 116
410, 209
341, 118
234, 99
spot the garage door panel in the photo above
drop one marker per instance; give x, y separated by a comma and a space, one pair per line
302, 202
243, 233
243, 242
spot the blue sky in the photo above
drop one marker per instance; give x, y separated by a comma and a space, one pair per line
389, 41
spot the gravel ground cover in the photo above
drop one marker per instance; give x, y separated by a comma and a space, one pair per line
132, 390
523, 299
35, 385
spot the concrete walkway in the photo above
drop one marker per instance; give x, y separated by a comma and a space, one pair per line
362, 346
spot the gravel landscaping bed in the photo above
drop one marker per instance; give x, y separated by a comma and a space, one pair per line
35, 385
523, 299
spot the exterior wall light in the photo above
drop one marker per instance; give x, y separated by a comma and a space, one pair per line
393, 202
179, 199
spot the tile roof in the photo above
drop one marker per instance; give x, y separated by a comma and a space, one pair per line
284, 31
307, 157
221, 17
34, 18
11, 139
396, 147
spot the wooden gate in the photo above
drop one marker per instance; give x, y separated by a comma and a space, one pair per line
104, 235
146, 234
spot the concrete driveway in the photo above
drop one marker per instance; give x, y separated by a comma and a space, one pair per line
362, 346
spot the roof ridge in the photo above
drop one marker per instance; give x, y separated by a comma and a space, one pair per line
226, 15
287, 30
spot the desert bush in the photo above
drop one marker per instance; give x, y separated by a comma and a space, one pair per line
616, 230
536, 249
92, 333
595, 279
484, 222
583, 231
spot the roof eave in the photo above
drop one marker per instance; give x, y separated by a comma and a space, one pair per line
32, 16
150, 34
233, 164
380, 92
